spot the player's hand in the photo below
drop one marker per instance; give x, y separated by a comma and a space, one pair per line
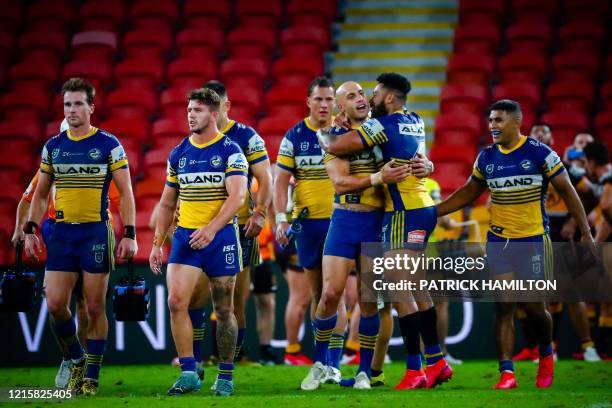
127, 248
254, 225
393, 174
201, 237
18, 236
156, 259
32, 246
341, 121
421, 166
568, 230
281, 230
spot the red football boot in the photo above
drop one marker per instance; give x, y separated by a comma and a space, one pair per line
506, 381
438, 373
297, 359
526, 354
546, 368
412, 380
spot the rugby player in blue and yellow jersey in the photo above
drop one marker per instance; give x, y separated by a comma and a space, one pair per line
410, 215
517, 170
300, 156
356, 218
207, 173
80, 164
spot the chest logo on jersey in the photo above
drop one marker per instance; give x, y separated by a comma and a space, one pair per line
182, 162
216, 161
526, 164
77, 170
310, 161
55, 153
304, 146
411, 129
95, 154
489, 169
511, 182
200, 178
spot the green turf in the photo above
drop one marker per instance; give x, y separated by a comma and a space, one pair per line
577, 384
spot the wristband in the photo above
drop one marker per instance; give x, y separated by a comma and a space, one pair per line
130, 232
30, 228
260, 211
376, 179
281, 217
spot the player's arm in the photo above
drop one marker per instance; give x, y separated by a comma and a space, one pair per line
263, 174
128, 246
605, 202
38, 206
165, 216
281, 198
338, 170
350, 142
462, 197
21, 218
564, 187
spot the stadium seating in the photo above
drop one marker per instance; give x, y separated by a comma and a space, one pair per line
477, 11
463, 98
458, 130
107, 18
470, 69
155, 14
529, 95
565, 125
477, 39
189, 73
147, 43
94, 45
529, 37
311, 13
45, 46
213, 15
200, 43
262, 13
99, 73
139, 73
252, 42
132, 103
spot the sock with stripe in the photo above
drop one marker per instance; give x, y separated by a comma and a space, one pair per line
198, 317
95, 352
429, 332
368, 331
66, 332
545, 350
324, 327
226, 371
334, 352
239, 342
506, 365
188, 364
409, 327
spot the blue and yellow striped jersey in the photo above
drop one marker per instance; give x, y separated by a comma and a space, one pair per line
361, 164
518, 179
199, 172
82, 171
301, 154
400, 137
254, 149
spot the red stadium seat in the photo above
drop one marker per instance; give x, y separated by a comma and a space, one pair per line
169, 132
528, 95
283, 99
477, 11
605, 93
7, 46
523, 67
262, 13
470, 69
565, 125
456, 160
304, 41
248, 99
575, 66
107, 18
450, 181
11, 16
155, 14
156, 157
570, 96
52, 128
244, 71
276, 126
317, 13
529, 37
603, 122
31, 76
46, 46
578, 36
213, 15
173, 103
27, 106
94, 45
201, 43
458, 129
149, 188
97, 72
126, 129
184, 72
525, 7
243, 114
139, 72
131, 104
292, 71
481, 39
573, 7
463, 98
147, 43
51, 13
15, 130
252, 42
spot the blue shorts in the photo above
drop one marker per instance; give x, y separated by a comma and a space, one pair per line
310, 242
349, 229
85, 247
409, 229
527, 258
250, 248
287, 257
45, 229
220, 258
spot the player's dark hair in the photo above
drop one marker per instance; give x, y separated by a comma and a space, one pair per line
207, 97
321, 82
509, 106
598, 152
397, 83
80, 85
540, 124
216, 86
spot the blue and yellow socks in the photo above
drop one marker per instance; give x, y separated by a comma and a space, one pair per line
324, 329
428, 324
368, 331
95, 352
409, 327
198, 318
226, 371
334, 353
66, 332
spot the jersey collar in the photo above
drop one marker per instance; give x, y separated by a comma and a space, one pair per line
203, 145
85, 136
521, 142
229, 125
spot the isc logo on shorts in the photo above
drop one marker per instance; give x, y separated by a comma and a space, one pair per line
416, 237
229, 248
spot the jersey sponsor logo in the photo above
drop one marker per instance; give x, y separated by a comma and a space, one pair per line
118, 154
216, 161
304, 146
286, 148
229, 248
99, 257
489, 169
229, 258
526, 164
55, 153
192, 162
237, 161
514, 182
256, 144
98, 247
68, 154
309, 161
79, 169
372, 127
416, 237
205, 178
411, 129
501, 167
182, 162
95, 154
552, 160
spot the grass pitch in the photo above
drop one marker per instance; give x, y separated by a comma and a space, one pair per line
577, 384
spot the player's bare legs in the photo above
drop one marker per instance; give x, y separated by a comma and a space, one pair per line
241, 295
299, 296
